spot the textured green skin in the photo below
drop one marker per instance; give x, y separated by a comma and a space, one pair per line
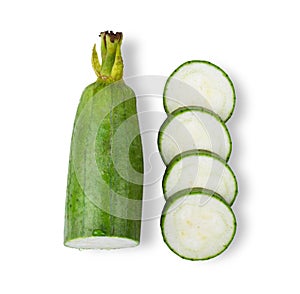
186, 109
211, 64
197, 152
188, 193
84, 218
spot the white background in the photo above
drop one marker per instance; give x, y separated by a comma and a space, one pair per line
44, 66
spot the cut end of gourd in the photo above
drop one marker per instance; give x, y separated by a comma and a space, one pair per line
101, 242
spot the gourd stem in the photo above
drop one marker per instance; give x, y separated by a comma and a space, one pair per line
103, 46
111, 69
112, 63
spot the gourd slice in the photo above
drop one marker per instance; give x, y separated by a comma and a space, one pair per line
190, 128
200, 168
200, 83
197, 224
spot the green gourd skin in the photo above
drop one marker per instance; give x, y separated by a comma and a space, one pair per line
105, 186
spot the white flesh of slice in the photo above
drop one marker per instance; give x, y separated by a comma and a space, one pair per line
194, 130
214, 89
198, 226
101, 242
201, 171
